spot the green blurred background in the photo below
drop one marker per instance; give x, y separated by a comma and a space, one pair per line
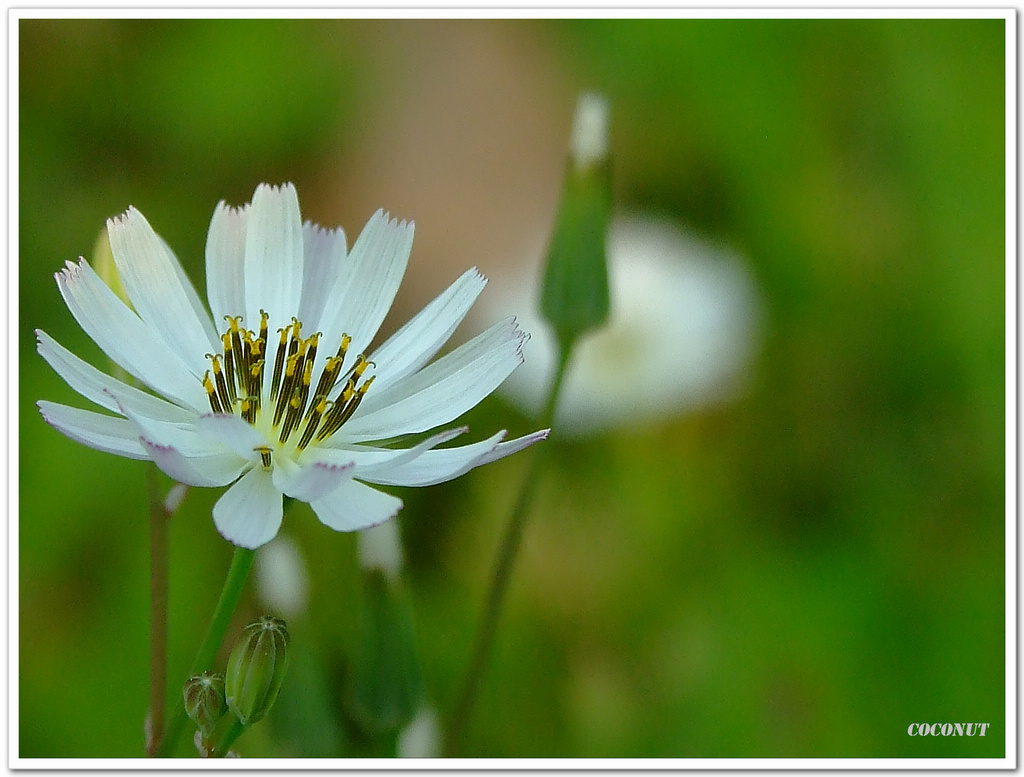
802, 571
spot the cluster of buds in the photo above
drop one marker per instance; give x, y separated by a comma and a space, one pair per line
224, 706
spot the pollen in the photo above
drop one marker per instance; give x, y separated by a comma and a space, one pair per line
288, 392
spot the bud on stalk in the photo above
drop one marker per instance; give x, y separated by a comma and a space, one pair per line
256, 669
204, 701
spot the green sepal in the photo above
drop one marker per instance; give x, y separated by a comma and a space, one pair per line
574, 296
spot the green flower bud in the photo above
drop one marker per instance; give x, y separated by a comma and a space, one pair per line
256, 669
204, 701
574, 297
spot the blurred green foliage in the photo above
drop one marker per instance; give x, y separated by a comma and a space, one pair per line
802, 572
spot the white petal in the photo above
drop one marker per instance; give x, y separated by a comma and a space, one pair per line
370, 460
438, 466
512, 446
354, 506
249, 514
443, 390
225, 252
102, 388
324, 257
365, 290
102, 432
311, 482
125, 338
152, 277
192, 296
183, 437
217, 469
231, 431
273, 255
421, 337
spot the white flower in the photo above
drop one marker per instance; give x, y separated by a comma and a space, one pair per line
275, 393
422, 737
282, 582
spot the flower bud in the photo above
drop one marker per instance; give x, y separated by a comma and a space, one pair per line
256, 669
204, 701
574, 295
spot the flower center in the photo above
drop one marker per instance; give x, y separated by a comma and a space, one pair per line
280, 406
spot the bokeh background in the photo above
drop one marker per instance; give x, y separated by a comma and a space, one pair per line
802, 565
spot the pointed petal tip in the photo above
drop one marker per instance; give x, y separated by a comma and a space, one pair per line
228, 209
70, 269
120, 221
44, 411
276, 190
447, 436
382, 214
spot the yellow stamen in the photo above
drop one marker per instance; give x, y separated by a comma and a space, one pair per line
234, 384
211, 393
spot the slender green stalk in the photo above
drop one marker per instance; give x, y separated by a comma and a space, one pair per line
231, 733
503, 569
232, 592
158, 583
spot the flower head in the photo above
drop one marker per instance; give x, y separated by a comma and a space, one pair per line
277, 393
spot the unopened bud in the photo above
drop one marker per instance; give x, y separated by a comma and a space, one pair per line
256, 669
574, 295
204, 701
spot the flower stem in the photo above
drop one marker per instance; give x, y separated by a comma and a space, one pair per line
229, 596
158, 583
233, 731
503, 568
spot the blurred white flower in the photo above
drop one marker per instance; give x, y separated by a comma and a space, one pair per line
282, 581
283, 408
422, 737
380, 547
682, 330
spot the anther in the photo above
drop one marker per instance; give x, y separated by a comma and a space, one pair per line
264, 320
211, 393
316, 412
226, 399
297, 403
229, 365
338, 414
287, 386
264, 452
282, 350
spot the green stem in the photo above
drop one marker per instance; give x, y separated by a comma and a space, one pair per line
229, 596
503, 568
233, 731
158, 584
